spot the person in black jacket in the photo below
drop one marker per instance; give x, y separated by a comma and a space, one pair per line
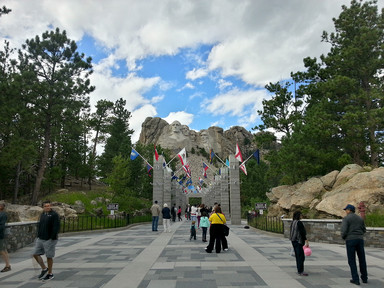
298, 236
47, 237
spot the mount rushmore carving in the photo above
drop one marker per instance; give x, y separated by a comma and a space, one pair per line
175, 136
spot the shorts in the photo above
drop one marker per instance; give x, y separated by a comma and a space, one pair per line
3, 245
46, 247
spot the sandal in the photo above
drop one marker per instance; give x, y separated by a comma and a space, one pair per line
6, 269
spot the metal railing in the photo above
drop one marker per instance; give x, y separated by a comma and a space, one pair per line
266, 223
89, 223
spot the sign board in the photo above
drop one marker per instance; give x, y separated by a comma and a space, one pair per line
113, 206
260, 206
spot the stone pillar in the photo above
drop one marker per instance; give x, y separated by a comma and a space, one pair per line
167, 187
234, 184
224, 192
158, 183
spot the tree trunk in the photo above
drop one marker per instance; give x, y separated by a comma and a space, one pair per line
17, 183
43, 163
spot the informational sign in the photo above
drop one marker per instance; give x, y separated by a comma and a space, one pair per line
260, 206
113, 206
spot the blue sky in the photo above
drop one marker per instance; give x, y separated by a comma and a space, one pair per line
203, 63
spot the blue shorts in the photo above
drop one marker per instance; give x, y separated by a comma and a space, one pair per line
46, 247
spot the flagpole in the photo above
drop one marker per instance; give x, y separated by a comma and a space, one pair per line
171, 159
221, 160
249, 157
142, 157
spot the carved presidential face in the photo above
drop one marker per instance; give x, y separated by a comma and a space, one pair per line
185, 130
175, 127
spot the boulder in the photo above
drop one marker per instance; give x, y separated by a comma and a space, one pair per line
364, 186
328, 195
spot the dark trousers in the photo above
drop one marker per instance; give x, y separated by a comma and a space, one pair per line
356, 246
299, 255
215, 235
204, 233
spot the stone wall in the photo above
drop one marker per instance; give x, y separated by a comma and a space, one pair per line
329, 231
22, 234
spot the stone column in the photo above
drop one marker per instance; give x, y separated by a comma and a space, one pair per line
158, 183
167, 187
224, 192
234, 184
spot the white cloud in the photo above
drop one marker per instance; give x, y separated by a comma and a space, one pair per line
258, 41
196, 73
183, 117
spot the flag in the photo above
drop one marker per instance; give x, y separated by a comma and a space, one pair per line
187, 170
204, 173
149, 170
201, 180
211, 156
134, 154
238, 155
242, 167
156, 154
189, 182
183, 156
257, 156
227, 162
205, 166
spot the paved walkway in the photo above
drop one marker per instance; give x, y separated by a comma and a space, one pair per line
138, 257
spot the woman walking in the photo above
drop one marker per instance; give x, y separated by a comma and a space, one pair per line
298, 237
216, 232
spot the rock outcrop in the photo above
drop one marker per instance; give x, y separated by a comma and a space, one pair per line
326, 196
175, 136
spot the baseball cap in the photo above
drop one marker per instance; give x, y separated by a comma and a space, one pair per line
350, 207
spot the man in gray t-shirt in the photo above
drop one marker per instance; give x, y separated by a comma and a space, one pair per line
352, 231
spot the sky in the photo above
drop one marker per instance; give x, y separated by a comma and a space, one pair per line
201, 62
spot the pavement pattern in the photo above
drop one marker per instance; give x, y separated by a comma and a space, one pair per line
140, 258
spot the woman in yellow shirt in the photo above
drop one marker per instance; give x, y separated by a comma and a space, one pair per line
216, 231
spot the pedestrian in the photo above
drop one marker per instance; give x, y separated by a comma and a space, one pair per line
216, 232
204, 225
155, 210
298, 237
166, 218
352, 231
179, 214
3, 244
174, 212
188, 212
47, 237
198, 215
193, 213
193, 231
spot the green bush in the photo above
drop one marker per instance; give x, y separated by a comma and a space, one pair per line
374, 220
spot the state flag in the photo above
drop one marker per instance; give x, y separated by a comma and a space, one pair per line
238, 155
134, 154
183, 157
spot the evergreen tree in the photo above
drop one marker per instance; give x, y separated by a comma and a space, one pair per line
57, 78
119, 141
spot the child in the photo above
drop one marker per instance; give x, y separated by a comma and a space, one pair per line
193, 231
204, 224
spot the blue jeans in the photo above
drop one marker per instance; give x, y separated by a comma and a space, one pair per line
299, 255
155, 222
356, 246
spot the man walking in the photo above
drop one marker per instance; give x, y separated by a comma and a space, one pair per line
352, 231
155, 209
3, 248
47, 237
